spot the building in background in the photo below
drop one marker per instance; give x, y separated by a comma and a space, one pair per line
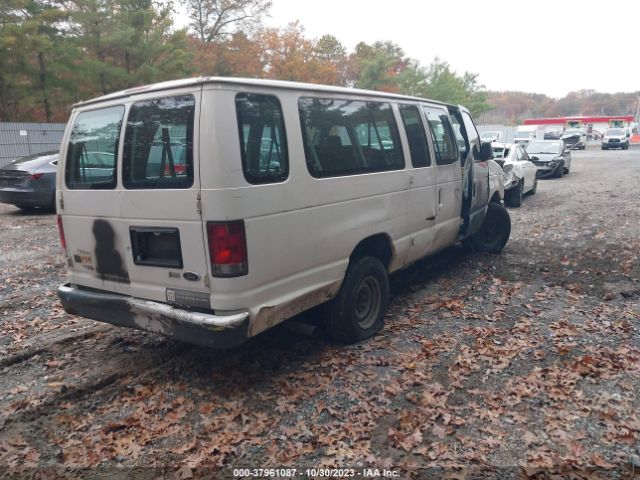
595, 125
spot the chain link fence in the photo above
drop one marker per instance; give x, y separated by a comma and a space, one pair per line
19, 140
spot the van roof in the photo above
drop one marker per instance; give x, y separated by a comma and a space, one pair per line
280, 84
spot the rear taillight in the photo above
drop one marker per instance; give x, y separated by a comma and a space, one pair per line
36, 176
227, 248
63, 241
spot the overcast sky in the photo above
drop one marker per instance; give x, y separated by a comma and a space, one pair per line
542, 46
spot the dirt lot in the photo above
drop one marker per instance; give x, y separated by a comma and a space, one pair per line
488, 365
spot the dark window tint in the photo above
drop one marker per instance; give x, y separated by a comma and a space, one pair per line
345, 137
158, 143
442, 135
263, 143
93, 148
416, 135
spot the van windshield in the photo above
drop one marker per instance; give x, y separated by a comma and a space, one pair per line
158, 143
615, 131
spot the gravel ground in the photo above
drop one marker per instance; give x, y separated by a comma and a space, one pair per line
520, 365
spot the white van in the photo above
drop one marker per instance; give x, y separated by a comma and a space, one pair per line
230, 205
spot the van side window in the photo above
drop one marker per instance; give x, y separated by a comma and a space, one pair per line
472, 133
93, 149
416, 135
460, 138
263, 143
442, 135
347, 137
158, 143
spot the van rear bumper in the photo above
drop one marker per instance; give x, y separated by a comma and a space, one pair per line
209, 330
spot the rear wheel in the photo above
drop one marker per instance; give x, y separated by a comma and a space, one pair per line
358, 311
494, 232
516, 194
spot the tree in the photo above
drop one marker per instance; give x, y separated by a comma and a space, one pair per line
377, 66
439, 82
215, 20
30, 32
126, 43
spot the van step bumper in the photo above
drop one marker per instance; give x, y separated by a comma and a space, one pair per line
210, 330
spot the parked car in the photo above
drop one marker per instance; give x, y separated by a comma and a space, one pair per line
523, 137
519, 172
575, 138
551, 157
292, 195
615, 138
490, 136
30, 182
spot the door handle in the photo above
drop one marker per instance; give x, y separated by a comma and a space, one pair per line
439, 196
430, 219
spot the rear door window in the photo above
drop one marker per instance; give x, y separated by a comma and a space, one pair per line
93, 149
263, 144
158, 144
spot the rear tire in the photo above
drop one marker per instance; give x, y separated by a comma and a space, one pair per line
516, 194
494, 232
358, 311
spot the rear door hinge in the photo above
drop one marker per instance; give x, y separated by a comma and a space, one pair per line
199, 204
207, 281
61, 201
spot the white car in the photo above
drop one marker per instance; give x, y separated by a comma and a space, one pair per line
490, 136
575, 138
523, 137
519, 172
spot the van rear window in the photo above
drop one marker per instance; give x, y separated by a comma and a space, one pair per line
158, 144
93, 149
348, 137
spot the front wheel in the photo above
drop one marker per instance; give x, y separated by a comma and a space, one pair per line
516, 193
357, 313
559, 172
494, 232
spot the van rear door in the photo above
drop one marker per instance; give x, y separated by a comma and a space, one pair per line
131, 194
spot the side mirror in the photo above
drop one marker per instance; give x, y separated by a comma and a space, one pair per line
486, 152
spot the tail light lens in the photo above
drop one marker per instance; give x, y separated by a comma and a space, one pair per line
63, 240
227, 248
36, 176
